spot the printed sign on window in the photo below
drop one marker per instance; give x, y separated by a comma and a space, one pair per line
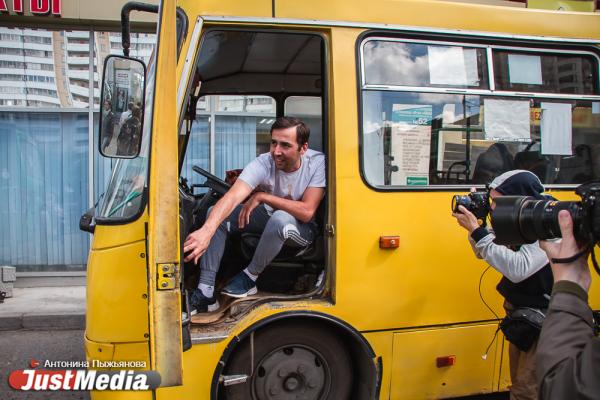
507, 120
525, 69
452, 66
411, 143
122, 78
557, 129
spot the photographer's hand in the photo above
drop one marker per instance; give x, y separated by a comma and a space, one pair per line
577, 271
466, 219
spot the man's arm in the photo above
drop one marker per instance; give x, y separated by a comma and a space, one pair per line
197, 242
514, 265
568, 355
303, 209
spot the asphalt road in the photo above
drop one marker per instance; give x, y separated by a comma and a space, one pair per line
17, 348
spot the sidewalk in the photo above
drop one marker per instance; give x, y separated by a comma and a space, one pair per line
44, 308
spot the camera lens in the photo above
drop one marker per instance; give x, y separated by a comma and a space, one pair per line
518, 220
458, 200
536, 220
539, 219
506, 222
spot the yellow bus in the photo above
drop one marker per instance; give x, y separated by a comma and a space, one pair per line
411, 102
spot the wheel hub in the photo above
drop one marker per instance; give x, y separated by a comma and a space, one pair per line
291, 384
292, 373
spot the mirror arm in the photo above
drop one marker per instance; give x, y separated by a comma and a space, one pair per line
127, 8
87, 222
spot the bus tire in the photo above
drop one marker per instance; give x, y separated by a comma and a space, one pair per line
291, 360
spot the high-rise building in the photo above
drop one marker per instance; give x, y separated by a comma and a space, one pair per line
43, 68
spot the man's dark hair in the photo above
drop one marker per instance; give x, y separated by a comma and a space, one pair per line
302, 131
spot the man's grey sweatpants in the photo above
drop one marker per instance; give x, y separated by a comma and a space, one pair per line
275, 229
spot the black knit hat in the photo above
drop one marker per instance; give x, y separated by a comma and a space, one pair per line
518, 183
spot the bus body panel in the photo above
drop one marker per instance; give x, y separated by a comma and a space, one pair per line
414, 367
108, 236
432, 277
255, 8
447, 15
420, 14
117, 294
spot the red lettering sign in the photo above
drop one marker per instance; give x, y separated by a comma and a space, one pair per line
37, 7
55, 7
40, 6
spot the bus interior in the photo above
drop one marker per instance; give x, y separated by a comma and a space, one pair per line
284, 73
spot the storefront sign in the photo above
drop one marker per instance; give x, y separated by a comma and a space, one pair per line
36, 7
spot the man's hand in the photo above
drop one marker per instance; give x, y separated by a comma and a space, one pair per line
244, 217
466, 219
577, 271
196, 244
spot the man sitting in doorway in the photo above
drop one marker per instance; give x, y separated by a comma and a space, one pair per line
289, 183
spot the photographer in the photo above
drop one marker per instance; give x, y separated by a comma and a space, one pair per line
527, 277
568, 355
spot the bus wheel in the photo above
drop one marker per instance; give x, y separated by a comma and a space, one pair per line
292, 361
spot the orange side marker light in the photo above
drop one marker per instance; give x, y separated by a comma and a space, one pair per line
389, 242
446, 361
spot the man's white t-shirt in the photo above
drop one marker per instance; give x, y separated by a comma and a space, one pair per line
124, 117
261, 173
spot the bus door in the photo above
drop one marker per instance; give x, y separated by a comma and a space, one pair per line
163, 229
148, 137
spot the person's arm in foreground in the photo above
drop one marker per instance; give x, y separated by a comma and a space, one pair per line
568, 355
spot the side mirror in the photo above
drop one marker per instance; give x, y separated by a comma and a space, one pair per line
122, 107
87, 222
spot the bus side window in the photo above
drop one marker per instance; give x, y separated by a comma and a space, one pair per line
432, 115
308, 109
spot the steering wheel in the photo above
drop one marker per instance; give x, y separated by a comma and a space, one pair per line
216, 184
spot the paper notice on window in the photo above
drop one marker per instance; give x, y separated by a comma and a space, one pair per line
447, 66
123, 77
506, 120
595, 107
411, 143
525, 69
471, 68
556, 126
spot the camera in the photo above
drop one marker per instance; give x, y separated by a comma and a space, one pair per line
519, 219
477, 203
